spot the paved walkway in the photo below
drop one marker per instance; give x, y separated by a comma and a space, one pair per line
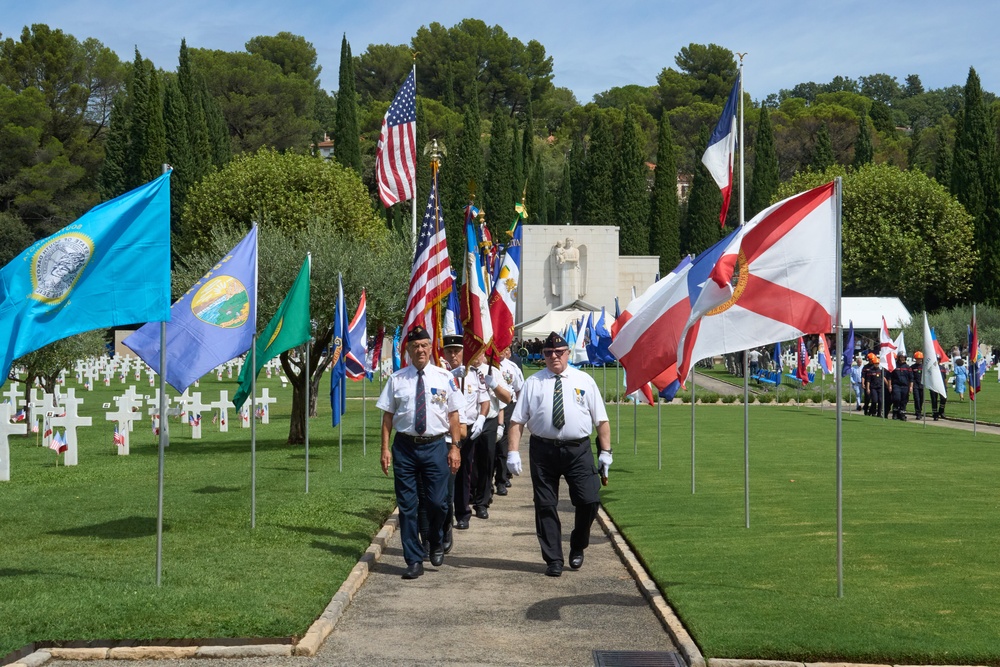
489, 604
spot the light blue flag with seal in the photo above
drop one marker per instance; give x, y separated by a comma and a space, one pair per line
109, 268
212, 323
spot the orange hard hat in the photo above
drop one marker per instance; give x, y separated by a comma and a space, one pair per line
918, 355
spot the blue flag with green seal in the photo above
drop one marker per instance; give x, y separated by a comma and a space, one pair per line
109, 268
212, 323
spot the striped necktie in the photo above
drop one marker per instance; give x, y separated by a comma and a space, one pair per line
558, 416
421, 416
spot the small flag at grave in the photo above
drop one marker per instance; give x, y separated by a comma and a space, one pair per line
19, 417
119, 437
58, 444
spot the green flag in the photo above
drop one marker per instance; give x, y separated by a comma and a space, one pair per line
289, 327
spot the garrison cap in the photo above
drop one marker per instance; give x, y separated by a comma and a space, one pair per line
417, 333
554, 341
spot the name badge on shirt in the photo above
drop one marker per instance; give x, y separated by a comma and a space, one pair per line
438, 397
579, 395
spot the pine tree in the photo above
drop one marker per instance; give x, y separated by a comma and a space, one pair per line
863, 151
346, 137
539, 214
564, 200
701, 225
976, 184
822, 156
156, 135
598, 188
116, 155
664, 214
631, 191
764, 182
498, 200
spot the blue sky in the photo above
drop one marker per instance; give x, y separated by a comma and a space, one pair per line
594, 45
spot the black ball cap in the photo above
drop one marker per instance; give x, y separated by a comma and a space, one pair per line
417, 333
554, 341
453, 341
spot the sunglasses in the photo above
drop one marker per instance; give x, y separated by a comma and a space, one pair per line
555, 353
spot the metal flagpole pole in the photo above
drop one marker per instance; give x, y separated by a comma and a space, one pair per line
364, 417
308, 397
746, 364
840, 451
253, 433
340, 428
635, 425
659, 435
973, 371
163, 442
618, 406
692, 430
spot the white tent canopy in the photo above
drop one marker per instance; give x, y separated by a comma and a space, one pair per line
867, 312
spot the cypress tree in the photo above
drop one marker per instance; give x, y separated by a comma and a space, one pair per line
942, 160
520, 170
218, 130
201, 149
468, 172
578, 178
156, 135
498, 200
863, 151
631, 191
423, 164
764, 182
346, 137
116, 155
598, 188
539, 192
976, 184
564, 200
178, 147
138, 102
822, 156
701, 225
664, 214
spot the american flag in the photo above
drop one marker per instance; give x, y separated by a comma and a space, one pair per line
119, 437
395, 161
430, 281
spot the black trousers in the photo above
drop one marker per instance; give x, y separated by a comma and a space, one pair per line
423, 518
576, 463
463, 481
918, 400
429, 463
486, 453
936, 400
500, 473
900, 397
875, 395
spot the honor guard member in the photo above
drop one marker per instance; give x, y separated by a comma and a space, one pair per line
868, 374
917, 369
937, 400
513, 377
901, 378
486, 444
421, 402
561, 406
472, 415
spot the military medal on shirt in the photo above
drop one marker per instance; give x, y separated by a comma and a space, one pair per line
438, 396
579, 394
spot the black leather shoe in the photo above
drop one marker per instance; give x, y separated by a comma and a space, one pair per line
437, 556
575, 559
501, 490
449, 540
413, 570
482, 513
507, 483
462, 524
554, 569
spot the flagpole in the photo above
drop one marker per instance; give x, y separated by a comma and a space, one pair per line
618, 406
692, 430
659, 435
746, 363
253, 432
364, 417
162, 443
308, 392
635, 425
413, 200
973, 371
840, 450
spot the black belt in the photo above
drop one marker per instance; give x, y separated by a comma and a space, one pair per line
562, 443
422, 439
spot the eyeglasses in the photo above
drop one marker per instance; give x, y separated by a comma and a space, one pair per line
555, 353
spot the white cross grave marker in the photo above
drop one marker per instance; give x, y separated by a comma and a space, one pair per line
13, 395
265, 400
197, 408
70, 420
125, 415
6, 429
222, 405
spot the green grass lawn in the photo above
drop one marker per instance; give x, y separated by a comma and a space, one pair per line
921, 535
77, 553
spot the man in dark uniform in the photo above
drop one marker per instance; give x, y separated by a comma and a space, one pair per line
901, 378
868, 374
561, 406
917, 369
421, 402
937, 400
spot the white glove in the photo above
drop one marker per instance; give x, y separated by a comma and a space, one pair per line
604, 462
477, 427
514, 462
458, 372
490, 381
500, 430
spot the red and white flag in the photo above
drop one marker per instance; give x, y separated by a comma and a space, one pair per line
721, 150
886, 349
503, 298
396, 157
477, 326
801, 370
430, 279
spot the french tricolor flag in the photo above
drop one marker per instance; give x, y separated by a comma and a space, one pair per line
719, 155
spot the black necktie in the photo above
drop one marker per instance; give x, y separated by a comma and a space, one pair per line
421, 424
558, 418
